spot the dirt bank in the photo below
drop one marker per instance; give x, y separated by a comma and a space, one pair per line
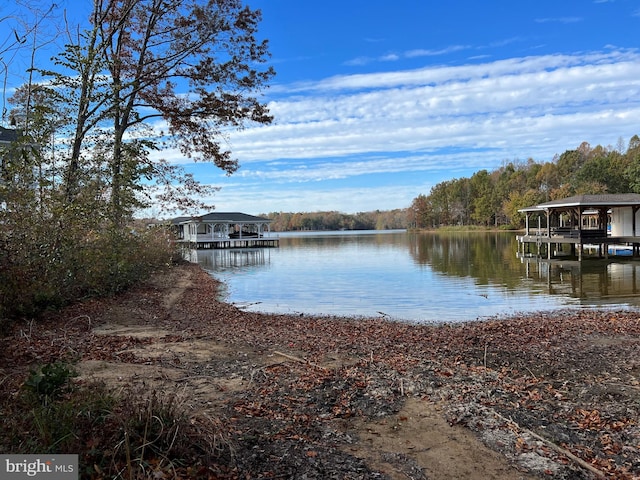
541, 396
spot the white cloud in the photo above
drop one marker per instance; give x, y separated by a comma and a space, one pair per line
355, 199
434, 53
416, 53
518, 100
559, 20
425, 122
296, 172
440, 75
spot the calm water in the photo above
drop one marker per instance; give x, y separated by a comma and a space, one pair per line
425, 277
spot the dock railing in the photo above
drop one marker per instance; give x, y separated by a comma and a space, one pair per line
567, 232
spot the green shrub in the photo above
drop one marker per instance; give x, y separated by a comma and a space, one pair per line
50, 380
41, 270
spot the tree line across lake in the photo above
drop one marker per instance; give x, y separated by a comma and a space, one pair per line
332, 220
492, 198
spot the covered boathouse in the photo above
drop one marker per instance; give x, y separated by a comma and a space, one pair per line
605, 224
224, 230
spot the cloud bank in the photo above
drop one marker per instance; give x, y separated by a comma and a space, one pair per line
417, 127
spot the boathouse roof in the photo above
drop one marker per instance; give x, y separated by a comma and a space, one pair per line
221, 217
8, 135
588, 201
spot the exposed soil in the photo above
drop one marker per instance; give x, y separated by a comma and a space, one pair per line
538, 396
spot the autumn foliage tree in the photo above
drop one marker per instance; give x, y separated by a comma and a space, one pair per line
333, 220
193, 66
493, 198
139, 77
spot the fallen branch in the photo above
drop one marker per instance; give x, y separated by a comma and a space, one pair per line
550, 444
300, 360
79, 317
486, 346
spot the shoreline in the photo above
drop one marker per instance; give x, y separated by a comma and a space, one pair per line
568, 378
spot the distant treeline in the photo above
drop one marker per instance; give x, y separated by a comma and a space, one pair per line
376, 220
493, 198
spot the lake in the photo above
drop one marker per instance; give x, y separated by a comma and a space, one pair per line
417, 277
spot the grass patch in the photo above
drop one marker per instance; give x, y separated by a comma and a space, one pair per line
133, 433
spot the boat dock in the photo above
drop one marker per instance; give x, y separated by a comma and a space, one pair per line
228, 243
576, 244
583, 225
221, 230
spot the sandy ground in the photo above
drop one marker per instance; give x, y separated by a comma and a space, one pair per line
416, 442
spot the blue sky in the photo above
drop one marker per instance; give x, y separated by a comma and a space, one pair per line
375, 101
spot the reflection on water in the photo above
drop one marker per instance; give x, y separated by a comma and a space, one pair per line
594, 281
489, 257
220, 260
415, 276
